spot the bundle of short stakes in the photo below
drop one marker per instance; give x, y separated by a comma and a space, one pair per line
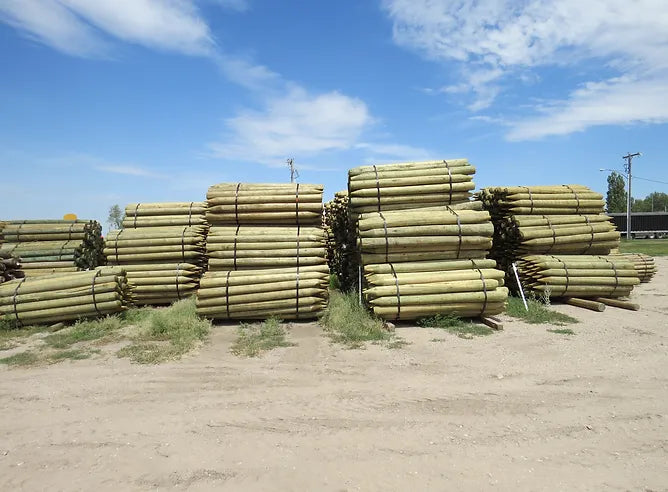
266, 252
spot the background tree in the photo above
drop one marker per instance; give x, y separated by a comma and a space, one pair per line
654, 202
616, 198
115, 219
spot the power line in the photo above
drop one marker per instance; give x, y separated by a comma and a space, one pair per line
652, 180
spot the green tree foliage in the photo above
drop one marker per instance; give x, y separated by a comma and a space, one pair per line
115, 219
654, 202
616, 198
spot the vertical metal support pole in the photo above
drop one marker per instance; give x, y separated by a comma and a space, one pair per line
519, 285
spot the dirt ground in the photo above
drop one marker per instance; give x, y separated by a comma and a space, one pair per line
523, 408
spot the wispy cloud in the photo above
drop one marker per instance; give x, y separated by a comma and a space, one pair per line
81, 27
296, 123
497, 43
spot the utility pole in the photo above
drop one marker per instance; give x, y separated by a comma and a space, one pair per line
629, 157
294, 174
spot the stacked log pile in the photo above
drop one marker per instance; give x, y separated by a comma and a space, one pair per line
419, 264
643, 264
64, 297
266, 251
409, 185
580, 276
341, 241
54, 246
10, 267
421, 241
557, 236
162, 249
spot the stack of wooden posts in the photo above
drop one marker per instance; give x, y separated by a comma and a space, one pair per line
266, 251
10, 267
419, 264
54, 246
409, 185
341, 241
556, 235
643, 264
162, 248
63, 297
421, 241
590, 277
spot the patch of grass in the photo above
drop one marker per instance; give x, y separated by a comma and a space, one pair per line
22, 359
349, 323
455, 325
177, 329
563, 331
72, 354
11, 335
397, 343
255, 338
538, 313
652, 247
438, 340
84, 331
334, 282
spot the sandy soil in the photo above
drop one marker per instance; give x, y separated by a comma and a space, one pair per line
522, 408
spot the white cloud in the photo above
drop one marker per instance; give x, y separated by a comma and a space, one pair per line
79, 27
294, 124
498, 41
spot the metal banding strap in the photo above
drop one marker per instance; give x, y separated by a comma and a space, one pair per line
236, 235
396, 282
236, 204
60, 253
375, 170
387, 243
16, 291
591, 230
484, 290
93, 292
614, 269
577, 198
297, 296
190, 213
227, 293
297, 204
134, 226
178, 272
447, 166
69, 233
567, 275
183, 244
18, 233
531, 199
459, 225
554, 233
298, 233
116, 243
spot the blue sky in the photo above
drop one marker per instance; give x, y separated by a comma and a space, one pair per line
118, 101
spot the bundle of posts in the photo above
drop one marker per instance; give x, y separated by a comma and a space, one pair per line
64, 297
561, 219
341, 241
580, 276
409, 185
264, 204
261, 234
164, 214
643, 264
10, 267
418, 264
541, 200
249, 246
54, 246
163, 263
288, 293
